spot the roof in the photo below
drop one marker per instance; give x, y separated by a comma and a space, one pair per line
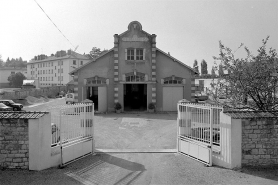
176, 60
101, 55
252, 114
72, 55
21, 115
12, 68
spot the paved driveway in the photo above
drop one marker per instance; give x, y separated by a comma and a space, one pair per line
136, 132
138, 168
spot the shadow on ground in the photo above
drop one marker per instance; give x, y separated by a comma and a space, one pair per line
263, 172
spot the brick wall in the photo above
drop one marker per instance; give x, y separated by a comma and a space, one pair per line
14, 147
260, 142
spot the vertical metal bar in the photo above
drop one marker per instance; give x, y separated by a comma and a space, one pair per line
61, 145
178, 126
93, 127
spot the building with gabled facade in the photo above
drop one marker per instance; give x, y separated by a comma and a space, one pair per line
54, 70
134, 73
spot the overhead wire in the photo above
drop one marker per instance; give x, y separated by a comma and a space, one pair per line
54, 23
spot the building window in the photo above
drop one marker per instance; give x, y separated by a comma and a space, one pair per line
12, 73
173, 80
135, 54
55, 67
139, 54
130, 54
135, 77
81, 63
96, 80
74, 62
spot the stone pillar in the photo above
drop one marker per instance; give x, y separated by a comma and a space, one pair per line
75, 89
116, 68
193, 88
153, 74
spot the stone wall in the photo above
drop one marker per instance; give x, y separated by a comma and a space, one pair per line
259, 142
14, 145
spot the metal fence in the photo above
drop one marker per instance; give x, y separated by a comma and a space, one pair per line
200, 122
71, 123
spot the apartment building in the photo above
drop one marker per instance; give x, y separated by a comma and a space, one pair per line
54, 70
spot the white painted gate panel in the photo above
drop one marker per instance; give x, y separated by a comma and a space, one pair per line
171, 96
198, 130
102, 99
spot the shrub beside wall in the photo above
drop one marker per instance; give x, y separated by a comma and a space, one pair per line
14, 146
259, 142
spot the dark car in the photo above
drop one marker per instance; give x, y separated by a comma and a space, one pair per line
3, 107
11, 103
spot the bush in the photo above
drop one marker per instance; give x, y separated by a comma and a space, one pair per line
118, 106
151, 106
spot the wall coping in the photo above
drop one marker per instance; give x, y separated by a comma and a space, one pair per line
22, 114
252, 114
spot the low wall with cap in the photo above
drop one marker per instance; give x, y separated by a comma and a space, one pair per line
16, 148
14, 143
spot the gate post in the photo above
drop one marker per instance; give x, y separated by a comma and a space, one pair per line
211, 135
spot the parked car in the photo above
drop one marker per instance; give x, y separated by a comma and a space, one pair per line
12, 104
69, 98
4, 107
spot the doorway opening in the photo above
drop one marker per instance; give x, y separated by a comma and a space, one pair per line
92, 94
135, 97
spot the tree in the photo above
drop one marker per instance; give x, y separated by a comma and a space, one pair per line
95, 52
16, 80
18, 62
204, 67
195, 66
220, 70
1, 62
251, 82
213, 71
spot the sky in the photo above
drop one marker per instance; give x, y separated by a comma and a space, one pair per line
189, 30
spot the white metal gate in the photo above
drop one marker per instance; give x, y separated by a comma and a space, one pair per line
198, 130
73, 130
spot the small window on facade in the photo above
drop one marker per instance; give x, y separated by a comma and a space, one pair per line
12, 72
81, 63
139, 54
173, 80
74, 62
130, 54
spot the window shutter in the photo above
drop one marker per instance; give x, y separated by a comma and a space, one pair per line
125, 54
144, 53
